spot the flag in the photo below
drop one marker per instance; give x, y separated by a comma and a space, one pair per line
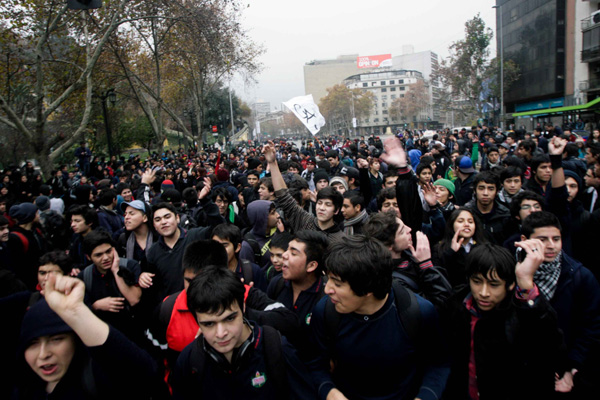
307, 111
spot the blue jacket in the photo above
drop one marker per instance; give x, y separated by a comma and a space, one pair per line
368, 350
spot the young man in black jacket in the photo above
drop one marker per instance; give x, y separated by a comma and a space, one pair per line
501, 329
234, 358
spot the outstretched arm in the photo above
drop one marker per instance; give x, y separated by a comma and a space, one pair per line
270, 156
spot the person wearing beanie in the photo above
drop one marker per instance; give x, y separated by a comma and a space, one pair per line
26, 243
321, 179
339, 183
223, 181
66, 352
54, 227
167, 184
444, 191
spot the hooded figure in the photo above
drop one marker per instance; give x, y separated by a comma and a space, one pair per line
257, 240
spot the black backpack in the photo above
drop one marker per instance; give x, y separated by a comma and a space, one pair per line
408, 311
256, 248
276, 366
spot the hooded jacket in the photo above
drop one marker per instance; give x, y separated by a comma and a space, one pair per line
258, 213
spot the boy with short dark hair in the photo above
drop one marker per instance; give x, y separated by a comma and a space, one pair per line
230, 237
279, 245
111, 284
239, 358
500, 328
374, 321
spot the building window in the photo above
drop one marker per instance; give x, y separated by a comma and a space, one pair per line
402, 88
376, 112
393, 89
393, 96
365, 84
383, 90
373, 83
384, 112
376, 120
401, 95
384, 105
401, 81
384, 97
383, 83
392, 82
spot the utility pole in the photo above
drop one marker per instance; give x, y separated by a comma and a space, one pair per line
499, 10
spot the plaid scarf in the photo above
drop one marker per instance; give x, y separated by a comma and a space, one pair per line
546, 277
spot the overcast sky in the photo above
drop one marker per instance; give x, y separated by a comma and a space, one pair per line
296, 32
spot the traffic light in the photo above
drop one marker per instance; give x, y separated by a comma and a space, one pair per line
84, 4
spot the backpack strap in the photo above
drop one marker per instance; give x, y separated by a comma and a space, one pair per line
23, 240
279, 286
276, 365
408, 311
87, 277
166, 309
249, 237
247, 271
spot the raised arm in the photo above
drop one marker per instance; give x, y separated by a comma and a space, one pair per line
65, 297
276, 177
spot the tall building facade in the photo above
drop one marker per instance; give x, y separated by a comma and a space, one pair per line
556, 44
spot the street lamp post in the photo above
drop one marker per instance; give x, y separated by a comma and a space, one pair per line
499, 9
112, 97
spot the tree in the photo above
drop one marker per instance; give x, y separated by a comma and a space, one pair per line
413, 106
463, 74
52, 69
341, 104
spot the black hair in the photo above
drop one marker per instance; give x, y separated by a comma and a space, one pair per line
537, 161
106, 197
493, 149
201, 253
422, 166
60, 258
228, 232
487, 177
540, 219
529, 145
162, 205
330, 193
214, 290
572, 150
478, 237
385, 194
281, 240
488, 258
355, 198
298, 183
364, 263
315, 246
427, 160
190, 196
389, 173
223, 193
268, 182
253, 172
96, 238
3, 220
515, 203
382, 226
90, 216
121, 186
511, 172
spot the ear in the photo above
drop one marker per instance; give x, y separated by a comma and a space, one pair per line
238, 248
511, 287
312, 266
145, 218
523, 237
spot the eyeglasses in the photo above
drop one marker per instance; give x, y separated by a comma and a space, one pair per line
528, 206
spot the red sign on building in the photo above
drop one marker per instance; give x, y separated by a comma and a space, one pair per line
381, 60
214, 129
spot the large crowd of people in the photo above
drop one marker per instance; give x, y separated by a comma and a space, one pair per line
447, 265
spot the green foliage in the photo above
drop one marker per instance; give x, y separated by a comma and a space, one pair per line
338, 106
